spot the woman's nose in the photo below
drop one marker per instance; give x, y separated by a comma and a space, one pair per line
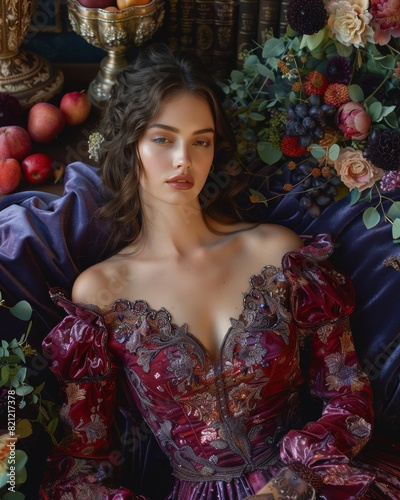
183, 157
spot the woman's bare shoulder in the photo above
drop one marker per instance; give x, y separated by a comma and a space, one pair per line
268, 243
100, 284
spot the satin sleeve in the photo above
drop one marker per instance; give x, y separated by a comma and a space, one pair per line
322, 298
85, 464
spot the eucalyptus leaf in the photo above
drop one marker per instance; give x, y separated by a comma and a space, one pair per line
371, 217
258, 117
391, 120
52, 426
396, 229
266, 72
334, 151
251, 62
273, 47
18, 352
21, 476
314, 40
22, 310
20, 459
317, 151
24, 390
355, 195
394, 210
356, 93
375, 111
268, 153
21, 374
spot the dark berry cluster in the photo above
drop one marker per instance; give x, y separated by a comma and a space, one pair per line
307, 120
318, 185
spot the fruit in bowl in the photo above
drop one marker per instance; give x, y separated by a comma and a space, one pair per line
97, 4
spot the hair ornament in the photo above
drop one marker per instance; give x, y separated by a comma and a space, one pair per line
94, 143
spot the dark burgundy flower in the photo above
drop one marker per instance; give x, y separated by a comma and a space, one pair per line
306, 16
384, 152
338, 70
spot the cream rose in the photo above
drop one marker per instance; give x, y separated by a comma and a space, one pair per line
349, 22
356, 172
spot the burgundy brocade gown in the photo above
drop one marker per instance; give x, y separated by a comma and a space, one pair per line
227, 424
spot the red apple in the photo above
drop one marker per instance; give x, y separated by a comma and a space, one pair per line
45, 122
37, 168
14, 142
10, 175
76, 107
97, 4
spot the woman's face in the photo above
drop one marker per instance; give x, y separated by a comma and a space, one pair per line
177, 151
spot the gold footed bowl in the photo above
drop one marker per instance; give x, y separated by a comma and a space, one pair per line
115, 32
25, 75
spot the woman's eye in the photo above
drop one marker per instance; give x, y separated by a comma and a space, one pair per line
203, 144
161, 140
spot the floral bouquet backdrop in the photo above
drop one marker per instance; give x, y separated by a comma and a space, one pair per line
321, 104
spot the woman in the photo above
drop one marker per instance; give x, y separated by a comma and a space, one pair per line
219, 369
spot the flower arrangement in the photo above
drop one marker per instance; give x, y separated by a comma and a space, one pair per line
322, 104
17, 393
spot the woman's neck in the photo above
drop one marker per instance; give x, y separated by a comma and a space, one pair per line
175, 230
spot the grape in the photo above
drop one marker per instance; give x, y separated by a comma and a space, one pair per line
305, 140
308, 123
318, 133
315, 112
299, 129
305, 202
328, 110
314, 100
301, 110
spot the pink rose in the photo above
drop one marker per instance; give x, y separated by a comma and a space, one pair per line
356, 171
353, 120
385, 20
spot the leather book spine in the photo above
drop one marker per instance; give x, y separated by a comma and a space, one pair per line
224, 53
268, 19
282, 17
247, 25
204, 31
187, 17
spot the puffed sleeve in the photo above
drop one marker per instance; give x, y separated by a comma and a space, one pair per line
85, 462
321, 300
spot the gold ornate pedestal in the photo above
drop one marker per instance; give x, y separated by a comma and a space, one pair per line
25, 75
114, 32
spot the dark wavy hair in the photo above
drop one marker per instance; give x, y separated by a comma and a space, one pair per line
136, 99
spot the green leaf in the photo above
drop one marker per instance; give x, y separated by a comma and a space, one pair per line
20, 459
22, 310
21, 374
268, 153
375, 111
396, 229
11, 495
258, 194
312, 41
342, 50
258, 117
355, 195
250, 63
265, 72
24, 428
274, 47
333, 152
237, 76
371, 217
18, 352
356, 93
21, 476
317, 151
394, 210
23, 390
39, 388
51, 428
391, 120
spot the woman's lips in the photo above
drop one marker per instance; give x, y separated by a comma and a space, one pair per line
181, 182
